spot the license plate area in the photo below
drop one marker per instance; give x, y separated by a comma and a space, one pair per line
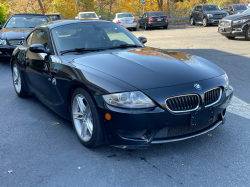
201, 117
159, 19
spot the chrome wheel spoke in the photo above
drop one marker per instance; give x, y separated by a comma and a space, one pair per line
81, 104
16, 79
78, 115
84, 131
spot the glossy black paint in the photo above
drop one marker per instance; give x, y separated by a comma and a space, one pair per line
157, 73
234, 30
14, 34
230, 9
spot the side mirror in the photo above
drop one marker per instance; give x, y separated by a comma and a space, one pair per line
142, 39
140, 17
38, 48
76, 17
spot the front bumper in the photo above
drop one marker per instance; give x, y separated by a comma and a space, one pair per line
233, 30
141, 128
214, 21
6, 51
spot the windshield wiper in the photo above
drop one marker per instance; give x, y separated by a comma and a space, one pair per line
80, 50
124, 46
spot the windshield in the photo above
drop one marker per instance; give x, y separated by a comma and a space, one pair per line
88, 15
211, 7
54, 17
240, 7
124, 16
150, 14
92, 35
246, 11
26, 22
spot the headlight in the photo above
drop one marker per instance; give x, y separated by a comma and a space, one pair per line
3, 42
129, 100
240, 21
225, 77
210, 15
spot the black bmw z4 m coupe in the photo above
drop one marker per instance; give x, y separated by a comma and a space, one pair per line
114, 89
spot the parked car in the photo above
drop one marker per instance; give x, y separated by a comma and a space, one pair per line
153, 20
206, 15
235, 9
114, 89
236, 25
54, 16
87, 15
246, 11
16, 29
127, 20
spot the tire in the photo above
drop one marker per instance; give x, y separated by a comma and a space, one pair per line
192, 21
230, 37
204, 22
247, 33
165, 27
86, 121
18, 82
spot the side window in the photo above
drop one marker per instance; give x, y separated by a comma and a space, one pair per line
199, 8
40, 37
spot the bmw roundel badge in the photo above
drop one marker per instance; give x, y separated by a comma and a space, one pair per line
197, 86
54, 81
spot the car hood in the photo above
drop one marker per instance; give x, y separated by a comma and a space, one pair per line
13, 34
237, 16
146, 68
215, 12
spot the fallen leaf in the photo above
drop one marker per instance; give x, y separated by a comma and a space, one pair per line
10, 171
209, 134
54, 123
79, 167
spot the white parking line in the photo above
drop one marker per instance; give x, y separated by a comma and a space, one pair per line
239, 107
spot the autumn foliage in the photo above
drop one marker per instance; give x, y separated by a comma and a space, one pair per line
70, 8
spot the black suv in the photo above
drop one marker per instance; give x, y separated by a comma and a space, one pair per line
207, 14
235, 9
16, 29
236, 25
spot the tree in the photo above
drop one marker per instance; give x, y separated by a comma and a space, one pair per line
3, 13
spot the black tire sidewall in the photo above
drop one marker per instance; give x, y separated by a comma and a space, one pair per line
247, 37
97, 135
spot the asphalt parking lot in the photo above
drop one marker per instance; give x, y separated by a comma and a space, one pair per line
39, 148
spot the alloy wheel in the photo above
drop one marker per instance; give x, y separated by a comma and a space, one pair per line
249, 32
16, 78
82, 117
145, 26
192, 21
204, 22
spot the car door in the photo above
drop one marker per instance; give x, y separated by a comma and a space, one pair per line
37, 64
194, 13
199, 14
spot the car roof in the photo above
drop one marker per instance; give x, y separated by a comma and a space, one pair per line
52, 14
58, 23
29, 15
124, 13
86, 12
